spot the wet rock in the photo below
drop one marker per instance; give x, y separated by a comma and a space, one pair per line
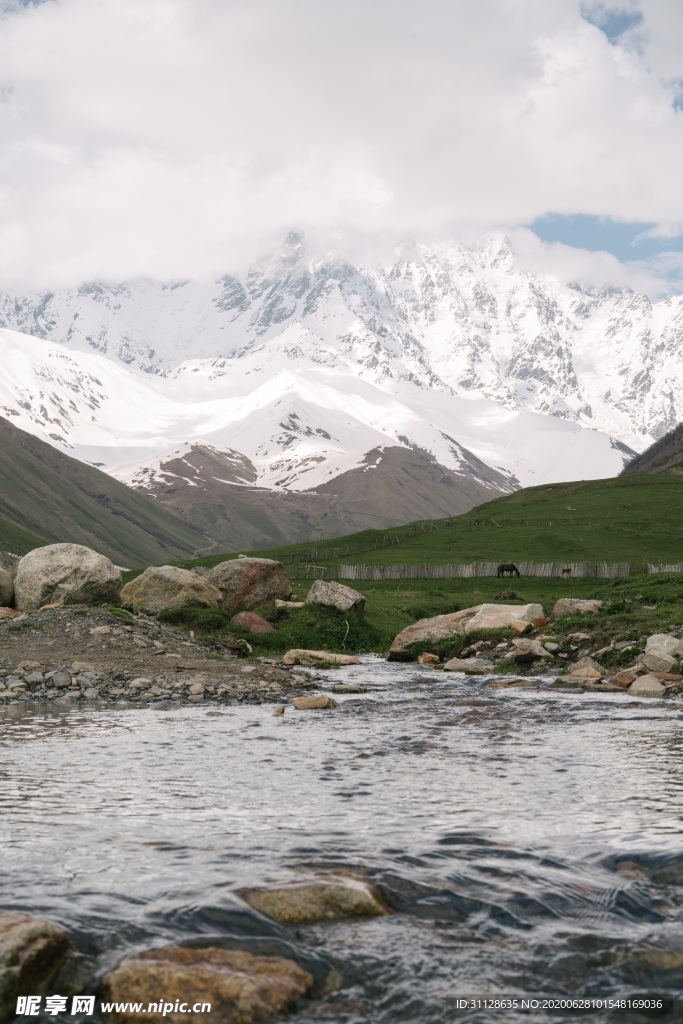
242, 988
647, 686
160, 588
253, 622
585, 673
528, 650
64, 574
507, 684
278, 711
659, 661
304, 657
335, 595
31, 953
587, 663
576, 606
470, 666
624, 678
315, 702
308, 902
428, 659
349, 688
249, 582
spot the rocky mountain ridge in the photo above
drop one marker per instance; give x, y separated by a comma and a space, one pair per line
468, 322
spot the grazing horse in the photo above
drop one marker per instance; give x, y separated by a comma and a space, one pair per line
567, 571
508, 569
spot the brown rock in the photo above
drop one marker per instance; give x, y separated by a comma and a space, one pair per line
31, 953
253, 622
249, 582
646, 686
428, 659
321, 900
319, 702
624, 678
299, 656
240, 987
586, 672
9, 613
519, 627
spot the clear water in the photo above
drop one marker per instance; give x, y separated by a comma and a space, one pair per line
529, 843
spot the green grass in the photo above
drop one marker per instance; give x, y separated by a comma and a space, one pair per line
631, 519
634, 608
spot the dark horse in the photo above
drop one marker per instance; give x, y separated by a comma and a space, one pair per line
508, 569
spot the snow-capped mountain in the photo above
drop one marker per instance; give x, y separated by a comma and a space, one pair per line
291, 424
455, 322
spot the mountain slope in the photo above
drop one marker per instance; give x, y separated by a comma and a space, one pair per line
300, 424
664, 456
452, 320
47, 497
394, 485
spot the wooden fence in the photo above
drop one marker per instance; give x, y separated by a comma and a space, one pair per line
454, 570
677, 567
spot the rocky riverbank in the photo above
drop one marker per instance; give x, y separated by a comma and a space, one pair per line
84, 654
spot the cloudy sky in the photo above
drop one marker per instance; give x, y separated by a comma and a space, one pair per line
175, 138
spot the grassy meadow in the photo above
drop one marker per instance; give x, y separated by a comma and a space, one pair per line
631, 519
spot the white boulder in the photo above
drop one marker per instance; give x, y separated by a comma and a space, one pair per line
65, 574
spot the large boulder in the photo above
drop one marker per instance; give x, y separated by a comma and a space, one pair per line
503, 616
65, 574
31, 953
250, 582
647, 686
163, 587
430, 631
336, 595
240, 987
659, 661
446, 627
666, 643
6, 588
575, 606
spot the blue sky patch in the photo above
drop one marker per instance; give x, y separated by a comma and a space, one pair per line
613, 21
626, 241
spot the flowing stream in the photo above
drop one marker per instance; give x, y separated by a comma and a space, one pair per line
528, 843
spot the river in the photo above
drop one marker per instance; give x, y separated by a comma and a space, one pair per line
529, 843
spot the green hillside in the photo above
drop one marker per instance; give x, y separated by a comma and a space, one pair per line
635, 519
47, 497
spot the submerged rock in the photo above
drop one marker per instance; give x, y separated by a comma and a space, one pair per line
470, 666
63, 574
315, 702
240, 988
307, 902
31, 953
301, 656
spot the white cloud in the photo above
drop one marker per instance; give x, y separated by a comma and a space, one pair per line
171, 137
